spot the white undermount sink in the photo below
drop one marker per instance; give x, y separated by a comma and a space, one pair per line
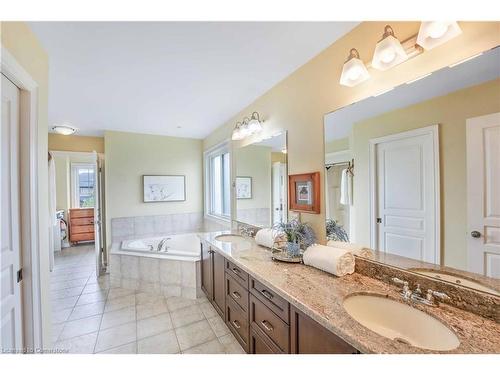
231, 238
400, 322
455, 279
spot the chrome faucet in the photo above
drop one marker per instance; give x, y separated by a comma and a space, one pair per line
160, 244
417, 295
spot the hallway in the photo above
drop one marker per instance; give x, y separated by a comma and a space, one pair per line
90, 317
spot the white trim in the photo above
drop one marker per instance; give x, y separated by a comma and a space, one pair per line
89, 155
434, 131
32, 306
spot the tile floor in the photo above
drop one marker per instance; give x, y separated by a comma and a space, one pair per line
90, 317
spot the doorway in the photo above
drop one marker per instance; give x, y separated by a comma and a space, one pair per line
404, 185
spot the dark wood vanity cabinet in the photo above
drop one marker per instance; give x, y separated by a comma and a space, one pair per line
262, 321
309, 337
212, 278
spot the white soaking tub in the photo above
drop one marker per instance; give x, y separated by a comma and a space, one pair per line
165, 265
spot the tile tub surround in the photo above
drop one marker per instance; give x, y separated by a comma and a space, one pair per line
484, 304
320, 296
155, 274
127, 228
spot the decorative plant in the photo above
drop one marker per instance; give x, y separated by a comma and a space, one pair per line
335, 232
297, 232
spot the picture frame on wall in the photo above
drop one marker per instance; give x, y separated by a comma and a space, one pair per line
164, 188
304, 193
243, 187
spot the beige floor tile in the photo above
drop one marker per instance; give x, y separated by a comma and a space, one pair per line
80, 327
56, 331
153, 325
118, 317
116, 336
92, 297
151, 309
120, 303
208, 310
142, 298
63, 303
92, 288
176, 303
211, 347
186, 315
68, 292
124, 349
194, 334
85, 311
68, 284
231, 345
119, 292
81, 344
61, 316
218, 326
163, 343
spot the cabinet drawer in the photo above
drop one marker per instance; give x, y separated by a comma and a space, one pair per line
266, 322
259, 344
82, 229
236, 292
81, 212
82, 237
240, 275
277, 304
237, 321
83, 221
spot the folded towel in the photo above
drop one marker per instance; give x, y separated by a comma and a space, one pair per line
265, 237
355, 249
340, 262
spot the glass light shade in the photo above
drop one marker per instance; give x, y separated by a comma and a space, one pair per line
237, 133
388, 53
64, 129
434, 33
354, 72
254, 126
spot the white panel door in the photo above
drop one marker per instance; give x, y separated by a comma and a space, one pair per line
405, 193
11, 309
483, 194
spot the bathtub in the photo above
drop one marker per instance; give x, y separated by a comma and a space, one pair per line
175, 246
172, 269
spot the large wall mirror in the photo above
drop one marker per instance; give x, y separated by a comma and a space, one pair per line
261, 176
414, 174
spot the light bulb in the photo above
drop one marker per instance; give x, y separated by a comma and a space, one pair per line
354, 73
387, 56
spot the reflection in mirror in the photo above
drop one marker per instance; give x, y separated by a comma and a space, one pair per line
415, 174
261, 176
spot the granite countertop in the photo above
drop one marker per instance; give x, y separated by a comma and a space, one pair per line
320, 295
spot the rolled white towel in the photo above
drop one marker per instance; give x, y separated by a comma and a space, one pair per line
265, 237
340, 262
355, 249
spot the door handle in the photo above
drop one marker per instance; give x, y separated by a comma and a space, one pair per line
475, 234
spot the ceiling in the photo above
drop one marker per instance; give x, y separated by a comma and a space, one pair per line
481, 69
171, 78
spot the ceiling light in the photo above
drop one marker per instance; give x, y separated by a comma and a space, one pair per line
435, 33
64, 129
388, 52
354, 71
464, 60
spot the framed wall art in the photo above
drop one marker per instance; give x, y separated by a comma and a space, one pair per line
304, 192
243, 187
164, 188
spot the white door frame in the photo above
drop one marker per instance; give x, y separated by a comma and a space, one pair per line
432, 130
30, 249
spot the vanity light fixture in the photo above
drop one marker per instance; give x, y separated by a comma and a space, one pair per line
248, 127
434, 33
388, 52
354, 70
64, 129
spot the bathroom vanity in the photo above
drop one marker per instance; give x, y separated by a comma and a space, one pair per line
273, 307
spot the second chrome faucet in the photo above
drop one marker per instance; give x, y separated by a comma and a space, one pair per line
417, 295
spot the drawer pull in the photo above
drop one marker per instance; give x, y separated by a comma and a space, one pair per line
236, 324
267, 325
236, 295
266, 294
236, 271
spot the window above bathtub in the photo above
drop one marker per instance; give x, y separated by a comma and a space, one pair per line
217, 184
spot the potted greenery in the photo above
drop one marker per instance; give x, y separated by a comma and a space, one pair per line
335, 232
298, 235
